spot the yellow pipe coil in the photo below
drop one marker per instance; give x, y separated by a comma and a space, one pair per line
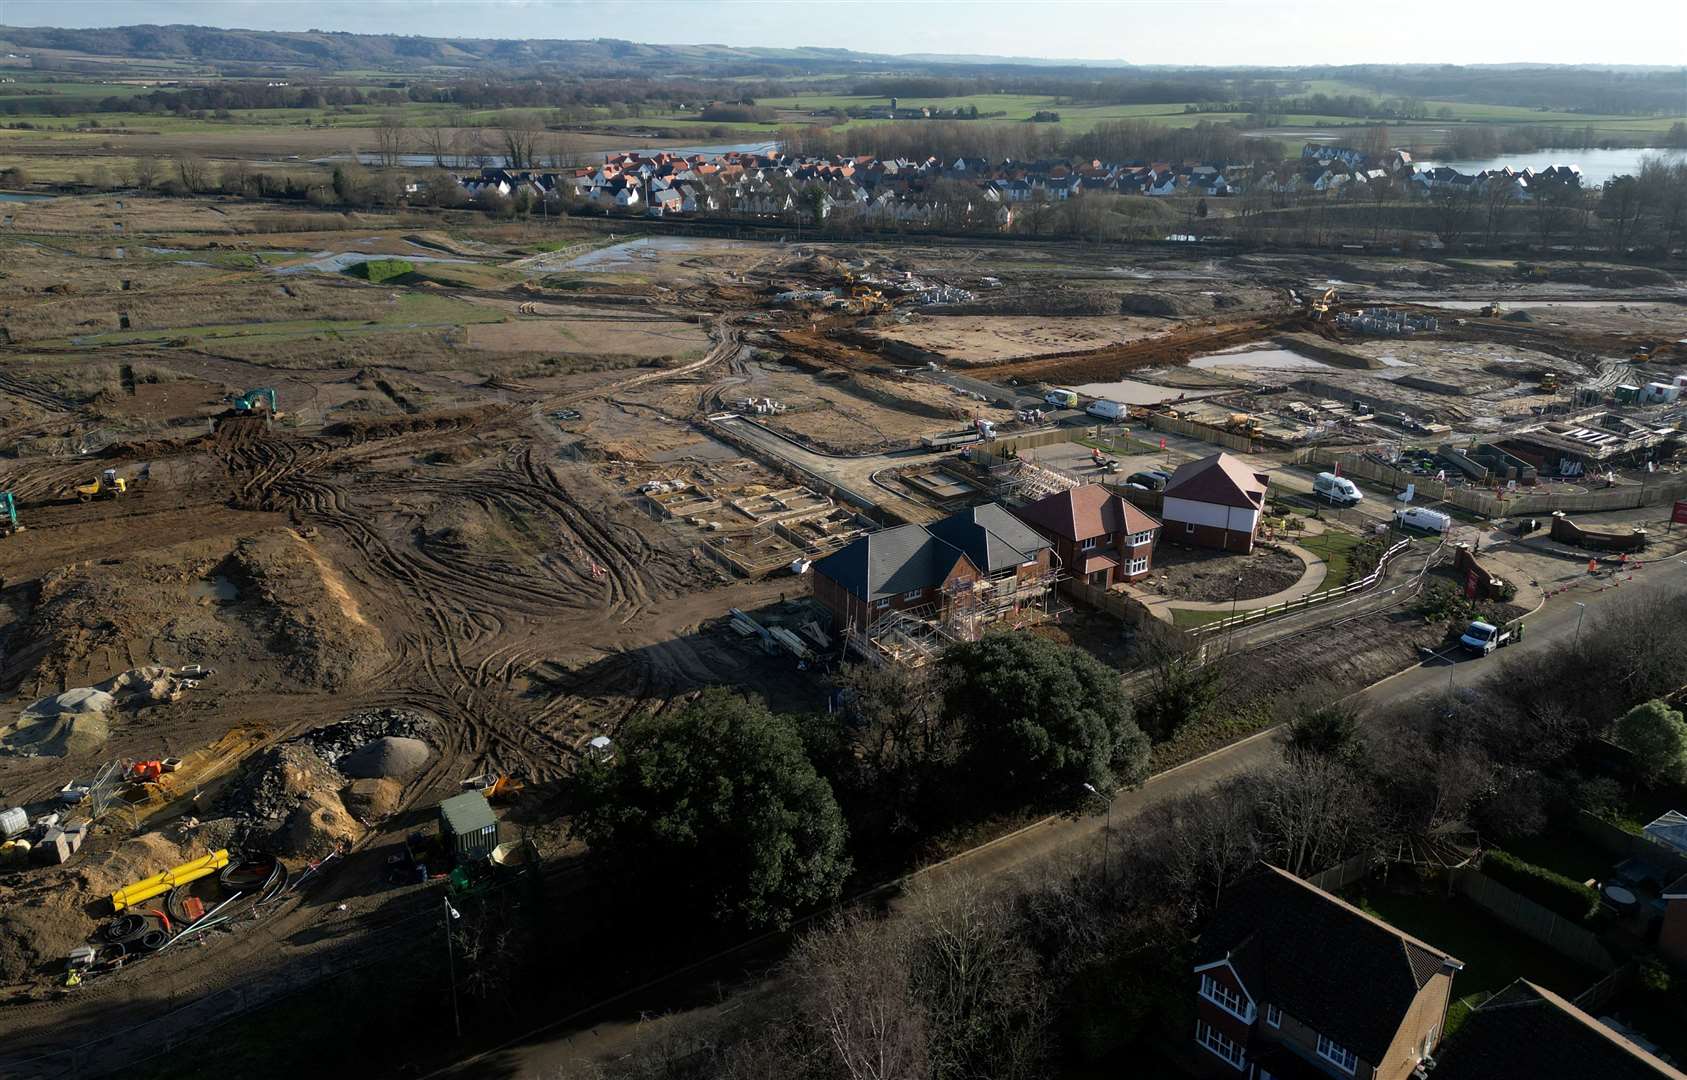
158, 884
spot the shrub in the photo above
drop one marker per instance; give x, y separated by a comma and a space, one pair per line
379, 270
1549, 889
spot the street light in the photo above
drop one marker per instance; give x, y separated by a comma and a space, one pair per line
1235, 594
1580, 615
451, 964
1107, 833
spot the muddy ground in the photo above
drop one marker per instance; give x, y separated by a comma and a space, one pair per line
445, 517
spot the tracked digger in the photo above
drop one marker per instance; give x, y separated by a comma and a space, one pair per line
8, 515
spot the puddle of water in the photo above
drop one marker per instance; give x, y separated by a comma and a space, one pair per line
218, 590
1132, 392
330, 262
1263, 359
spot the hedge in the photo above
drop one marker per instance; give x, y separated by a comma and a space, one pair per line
1549, 889
379, 270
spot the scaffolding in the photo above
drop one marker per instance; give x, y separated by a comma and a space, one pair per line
965, 610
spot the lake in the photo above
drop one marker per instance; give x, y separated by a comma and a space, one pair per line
1597, 166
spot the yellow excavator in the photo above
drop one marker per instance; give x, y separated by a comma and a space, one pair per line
1320, 308
866, 301
1492, 310
107, 485
1549, 382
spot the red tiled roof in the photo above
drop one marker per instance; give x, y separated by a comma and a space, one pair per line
1219, 479
1085, 511
1099, 562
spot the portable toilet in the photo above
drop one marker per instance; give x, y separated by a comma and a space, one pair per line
1627, 394
467, 827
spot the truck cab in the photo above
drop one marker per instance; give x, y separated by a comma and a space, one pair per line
1483, 637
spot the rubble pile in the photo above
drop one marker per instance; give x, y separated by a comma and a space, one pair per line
326, 786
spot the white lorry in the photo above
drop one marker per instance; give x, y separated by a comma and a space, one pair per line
1484, 638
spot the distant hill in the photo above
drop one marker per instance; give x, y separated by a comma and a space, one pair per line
323, 51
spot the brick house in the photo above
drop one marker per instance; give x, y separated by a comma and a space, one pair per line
1098, 536
1294, 982
1526, 1031
980, 558
1215, 502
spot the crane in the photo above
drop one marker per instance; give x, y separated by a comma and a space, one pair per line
8, 515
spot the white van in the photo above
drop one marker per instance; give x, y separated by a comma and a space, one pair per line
1415, 517
1107, 410
1336, 490
1061, 398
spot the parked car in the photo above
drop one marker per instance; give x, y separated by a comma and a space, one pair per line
1150, 480
1336, 490
1416, 517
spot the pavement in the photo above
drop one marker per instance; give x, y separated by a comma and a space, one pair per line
1311, 581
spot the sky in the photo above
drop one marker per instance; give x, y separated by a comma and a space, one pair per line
1284, 32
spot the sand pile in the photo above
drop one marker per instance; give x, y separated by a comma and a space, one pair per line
72, 723
392, 757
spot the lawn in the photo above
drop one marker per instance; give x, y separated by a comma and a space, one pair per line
1564, 851
1336, 549
1493, 954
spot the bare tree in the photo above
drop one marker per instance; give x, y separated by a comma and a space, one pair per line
518, 135
145, 172
856, 995
389, 139
191, 171
1314, 812
436, 143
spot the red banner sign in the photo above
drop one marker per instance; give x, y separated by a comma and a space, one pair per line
1680, 517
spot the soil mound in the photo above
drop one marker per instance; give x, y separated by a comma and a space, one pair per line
393, 757
1518, 316
371, 800
317, 826
67, 735
1157, 304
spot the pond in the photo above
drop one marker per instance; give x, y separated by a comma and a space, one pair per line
8, 196
1597, 166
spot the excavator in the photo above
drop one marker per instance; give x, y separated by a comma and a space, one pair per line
1491, 310
106, 485
8, 515
866, 300
255, 402
1320, 308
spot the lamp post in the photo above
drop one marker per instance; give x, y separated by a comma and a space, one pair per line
1235, 594
1580, 615
451, 964
1107, 833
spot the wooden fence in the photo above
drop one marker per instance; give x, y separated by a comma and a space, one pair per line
1622, 844
1113, 603
1310, 600
1343, 874
1204, 432
1531, 919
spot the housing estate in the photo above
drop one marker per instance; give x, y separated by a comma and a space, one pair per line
1098, 535
1215, 502
970, 569
1292, 982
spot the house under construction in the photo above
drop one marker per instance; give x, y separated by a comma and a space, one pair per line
904, 593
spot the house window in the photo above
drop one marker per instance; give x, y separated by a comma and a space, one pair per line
1274, 1016
1088, 545
1188, 526
883, 603
1141, 538
1138, 566
913, 594
1219, 1044
1339, 1056
1226, 998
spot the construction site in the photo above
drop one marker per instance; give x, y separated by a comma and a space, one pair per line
290, 559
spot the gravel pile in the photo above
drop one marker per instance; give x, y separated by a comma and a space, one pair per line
391, 757
334, 741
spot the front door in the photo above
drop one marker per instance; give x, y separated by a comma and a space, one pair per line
1099, 579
